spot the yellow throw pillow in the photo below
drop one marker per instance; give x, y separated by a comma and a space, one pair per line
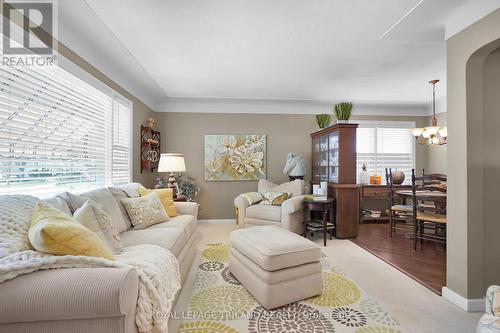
166, 197
55, 232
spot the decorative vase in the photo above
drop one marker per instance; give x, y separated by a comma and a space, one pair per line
364, 178
343, 112
323, 120
398, 177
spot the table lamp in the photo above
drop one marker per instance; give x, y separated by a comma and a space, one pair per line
172, 162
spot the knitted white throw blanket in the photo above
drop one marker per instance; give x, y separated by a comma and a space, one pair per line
158, 269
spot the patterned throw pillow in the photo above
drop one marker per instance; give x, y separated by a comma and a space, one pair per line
93, 217
145, 211
166, 196
274, 198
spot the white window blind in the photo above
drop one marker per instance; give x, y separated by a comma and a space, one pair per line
57, 133
121, 142
385, 145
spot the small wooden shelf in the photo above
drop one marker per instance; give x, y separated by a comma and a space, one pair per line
316, 226
150, 148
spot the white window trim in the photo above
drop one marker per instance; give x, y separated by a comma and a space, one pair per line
130, 105
392, 124
78, 72
88, 78
85, 76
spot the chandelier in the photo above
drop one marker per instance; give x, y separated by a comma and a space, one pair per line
434, 134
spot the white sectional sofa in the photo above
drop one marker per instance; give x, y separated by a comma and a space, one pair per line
94, 299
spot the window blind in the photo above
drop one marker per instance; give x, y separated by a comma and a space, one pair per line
56, 133
121, 143
384, 145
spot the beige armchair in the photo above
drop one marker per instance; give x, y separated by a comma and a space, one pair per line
288, 215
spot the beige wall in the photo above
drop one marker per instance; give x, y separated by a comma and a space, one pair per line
436, 155
140, 113
184, 133
491, 144
466, 55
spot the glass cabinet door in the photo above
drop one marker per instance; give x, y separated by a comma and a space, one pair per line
315, 160
333, 157
323, 158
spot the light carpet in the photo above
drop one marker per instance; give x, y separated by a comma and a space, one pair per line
219, 303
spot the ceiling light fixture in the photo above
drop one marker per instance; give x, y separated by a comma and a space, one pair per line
434, 134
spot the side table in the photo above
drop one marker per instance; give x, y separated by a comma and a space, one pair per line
326, 226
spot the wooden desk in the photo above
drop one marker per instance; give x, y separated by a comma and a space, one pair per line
377, 192
326, 225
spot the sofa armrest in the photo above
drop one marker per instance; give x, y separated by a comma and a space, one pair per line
292, 205
241, 204
187, 208
292, 214
68, 294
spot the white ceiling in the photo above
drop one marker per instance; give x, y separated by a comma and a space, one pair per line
323, 50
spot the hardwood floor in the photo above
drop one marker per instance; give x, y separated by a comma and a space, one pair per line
427, 264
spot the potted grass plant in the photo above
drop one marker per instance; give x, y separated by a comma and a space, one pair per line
343, 112
323, 120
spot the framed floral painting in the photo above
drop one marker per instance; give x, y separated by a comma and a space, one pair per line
235, 157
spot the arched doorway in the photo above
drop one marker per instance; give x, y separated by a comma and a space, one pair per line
474, 167
483, 165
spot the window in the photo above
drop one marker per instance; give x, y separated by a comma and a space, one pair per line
385, 145
58, 133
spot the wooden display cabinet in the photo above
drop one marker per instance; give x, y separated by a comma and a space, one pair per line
334, 161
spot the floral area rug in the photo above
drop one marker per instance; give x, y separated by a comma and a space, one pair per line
220, 304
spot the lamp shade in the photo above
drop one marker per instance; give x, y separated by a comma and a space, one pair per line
171, 162
417, 131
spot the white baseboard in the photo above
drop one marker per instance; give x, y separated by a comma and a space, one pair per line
469, 305
217, 221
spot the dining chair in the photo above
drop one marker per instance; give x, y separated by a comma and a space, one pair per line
398, 213
433, 178
429, 206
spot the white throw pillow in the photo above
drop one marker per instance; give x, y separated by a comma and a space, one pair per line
91, 216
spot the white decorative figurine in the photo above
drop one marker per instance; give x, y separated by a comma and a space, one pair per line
294, 167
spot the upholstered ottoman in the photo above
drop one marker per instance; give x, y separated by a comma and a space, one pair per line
276, 266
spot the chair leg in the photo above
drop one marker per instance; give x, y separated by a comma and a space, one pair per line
421, 232
415, 232
390, 224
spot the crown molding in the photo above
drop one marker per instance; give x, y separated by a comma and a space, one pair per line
273, 106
